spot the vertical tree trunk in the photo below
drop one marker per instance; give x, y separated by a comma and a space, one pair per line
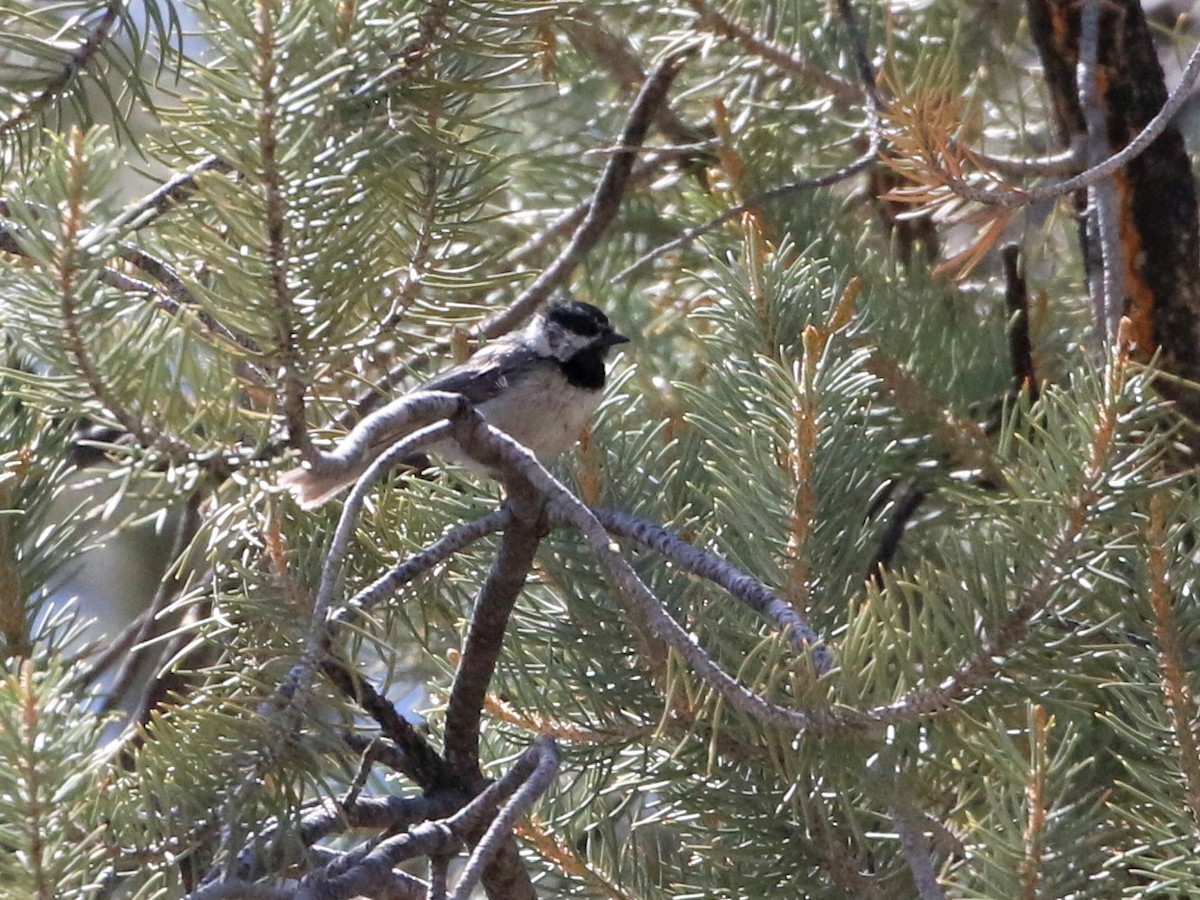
1159, 231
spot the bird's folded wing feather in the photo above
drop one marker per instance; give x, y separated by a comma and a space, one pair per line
481, 378
488, 373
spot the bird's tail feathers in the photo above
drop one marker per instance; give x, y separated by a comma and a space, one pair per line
312, 488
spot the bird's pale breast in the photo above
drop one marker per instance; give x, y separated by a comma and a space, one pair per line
546, 414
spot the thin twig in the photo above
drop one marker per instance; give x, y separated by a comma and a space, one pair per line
783, 59
458, 539
688, 235
1175, 667
383, 751
172, 295
77, 62
358, 870
862, 60
470, 821
1030, 869
643, 171
375, 748
323, 622
177, 295
115, 648
439, 877
605, 202
1064, 162
175, 190
409, 290
236, 889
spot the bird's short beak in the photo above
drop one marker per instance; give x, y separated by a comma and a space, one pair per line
613, 339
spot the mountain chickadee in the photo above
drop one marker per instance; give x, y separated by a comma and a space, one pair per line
540, 385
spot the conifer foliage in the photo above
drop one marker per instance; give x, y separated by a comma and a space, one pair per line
872, 577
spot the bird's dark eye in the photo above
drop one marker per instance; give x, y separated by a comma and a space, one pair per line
580, 318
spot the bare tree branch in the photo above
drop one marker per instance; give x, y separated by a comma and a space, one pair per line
707, 565
458, 539
546, 756
485, 638
175, 190
421, 763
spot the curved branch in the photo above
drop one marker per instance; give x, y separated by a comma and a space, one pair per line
566, 509
1012, 197
418, 564
749, 590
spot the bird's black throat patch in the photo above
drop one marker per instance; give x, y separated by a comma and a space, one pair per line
585, 369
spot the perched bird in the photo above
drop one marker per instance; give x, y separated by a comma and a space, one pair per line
540, 385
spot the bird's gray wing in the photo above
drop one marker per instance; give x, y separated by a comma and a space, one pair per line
481, 378
486, 374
